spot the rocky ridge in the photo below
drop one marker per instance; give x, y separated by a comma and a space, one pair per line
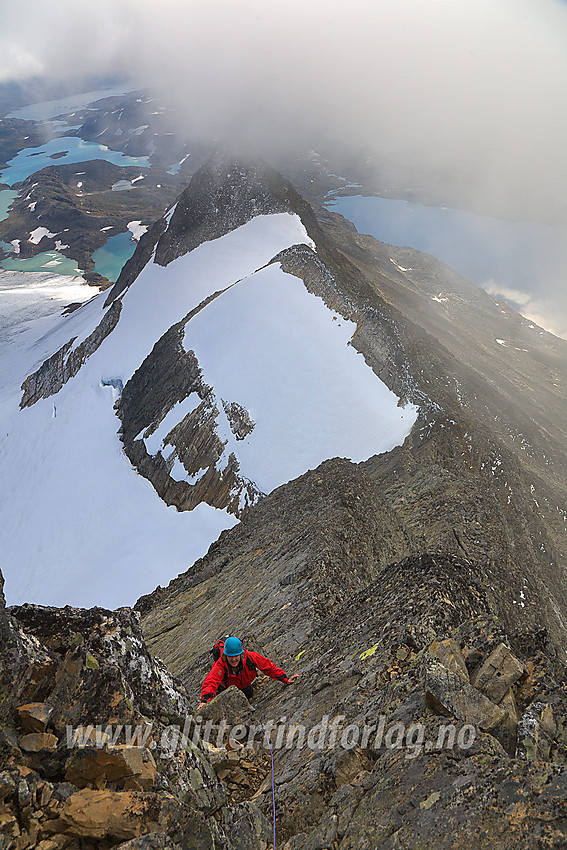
424, 586
310, 579
483, 473
89, 727
441, 716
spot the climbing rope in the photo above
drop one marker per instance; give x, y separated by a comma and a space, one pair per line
273, 789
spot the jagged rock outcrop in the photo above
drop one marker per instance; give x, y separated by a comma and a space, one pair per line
226, 193
115, 754
65, 363
168, 376
414, 655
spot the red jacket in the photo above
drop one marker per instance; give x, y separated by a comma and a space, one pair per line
246, 672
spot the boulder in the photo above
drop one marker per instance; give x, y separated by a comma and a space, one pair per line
119, 814
103, 666
448, 653
230, 706
447, 694
34, 716
36, 741
500, 670
114, 764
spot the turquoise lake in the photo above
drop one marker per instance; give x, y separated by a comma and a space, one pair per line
28, 161
49, 261
111, 257
6, 198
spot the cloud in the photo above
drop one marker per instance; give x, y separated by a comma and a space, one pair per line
474, 86
18, 63
516, 296
544, 313
462, 99
547, 312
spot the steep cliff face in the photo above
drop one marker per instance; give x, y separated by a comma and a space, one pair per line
407, 647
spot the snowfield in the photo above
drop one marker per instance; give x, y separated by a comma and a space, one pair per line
78, 525
286, 358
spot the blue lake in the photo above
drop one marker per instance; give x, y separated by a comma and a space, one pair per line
483, 249
28, 161
6, 198
111, 257
49, 109
49, 261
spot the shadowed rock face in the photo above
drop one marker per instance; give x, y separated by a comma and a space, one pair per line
84, 681
387, 650
167, 376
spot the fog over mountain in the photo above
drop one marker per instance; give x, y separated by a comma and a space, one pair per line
461, 99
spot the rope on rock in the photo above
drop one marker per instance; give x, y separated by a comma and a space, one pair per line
273, 788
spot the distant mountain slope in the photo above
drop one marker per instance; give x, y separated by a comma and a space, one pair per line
483, 473
230, 377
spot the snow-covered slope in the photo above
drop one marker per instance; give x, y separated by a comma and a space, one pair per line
79, 524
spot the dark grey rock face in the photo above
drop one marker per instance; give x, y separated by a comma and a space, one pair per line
167, 376
223, 195
65, 363
368, 642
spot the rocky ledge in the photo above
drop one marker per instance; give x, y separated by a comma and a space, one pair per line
89, 731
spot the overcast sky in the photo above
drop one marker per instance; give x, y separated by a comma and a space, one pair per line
473, 91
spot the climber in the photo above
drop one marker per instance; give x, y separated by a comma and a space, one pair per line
238, 666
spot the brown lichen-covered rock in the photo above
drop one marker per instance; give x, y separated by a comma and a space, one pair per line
104, 670
125, 814
129, 765
448, 653
500, 670
86, 788
34, 716
36, 741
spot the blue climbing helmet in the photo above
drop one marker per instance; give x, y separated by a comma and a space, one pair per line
232, 646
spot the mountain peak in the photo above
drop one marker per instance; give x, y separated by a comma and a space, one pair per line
225, 193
